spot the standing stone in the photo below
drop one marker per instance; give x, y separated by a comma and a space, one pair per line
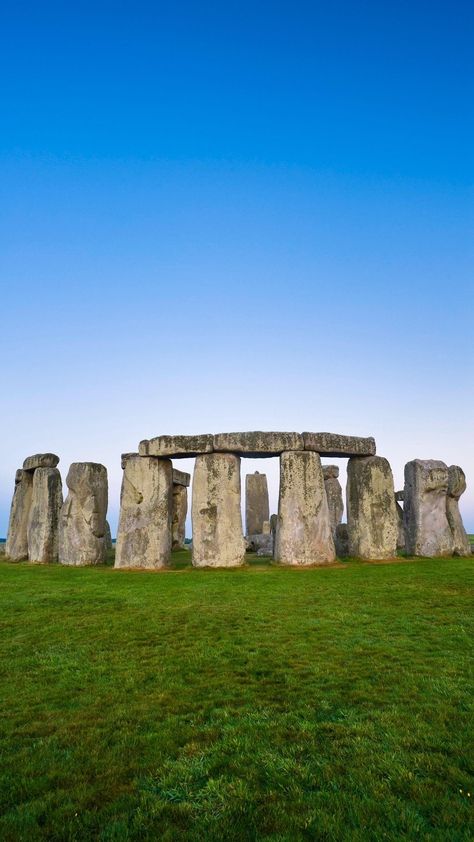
304, 533
108, 537
16, 547
334, 495
341, 540
43, 520
180, 510
456, 487
401, 526
144, 530
371, 513
257, 509
218, 540
82, 521
427, 531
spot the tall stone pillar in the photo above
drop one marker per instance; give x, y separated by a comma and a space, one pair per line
456, 487
371, 513
334, 495
218, 540
427, 531
180, 508
16, 547
303, 533
82, 522
144, 529
43, 520
257, 509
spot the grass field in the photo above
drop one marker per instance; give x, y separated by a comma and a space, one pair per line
254, 704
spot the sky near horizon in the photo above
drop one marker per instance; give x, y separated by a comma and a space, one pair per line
236, 216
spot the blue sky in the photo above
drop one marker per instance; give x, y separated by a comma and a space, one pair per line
236, 216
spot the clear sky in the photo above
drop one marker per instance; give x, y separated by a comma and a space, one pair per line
225, 216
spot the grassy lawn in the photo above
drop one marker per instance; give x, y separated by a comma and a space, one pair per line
254, 704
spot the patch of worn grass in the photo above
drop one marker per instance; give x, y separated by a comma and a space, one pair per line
254, 704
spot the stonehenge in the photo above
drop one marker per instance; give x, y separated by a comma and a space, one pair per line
371, 514
82, 538
307, 531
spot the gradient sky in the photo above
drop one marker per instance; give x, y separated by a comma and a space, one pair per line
233, 216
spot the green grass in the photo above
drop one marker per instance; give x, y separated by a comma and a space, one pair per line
253, 704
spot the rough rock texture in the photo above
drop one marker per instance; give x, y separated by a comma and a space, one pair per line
427, 531
262, 542
40, 460
257, 444
266, 527
43, 520
82, 521
108, 536
342, 540
176, 447
180, 510
16, 547
400, 496
273, 523
371, 513
334, 444
146, 498
181, 477
334, 495
304, 533
456, 487
217, 521
256, 503
401, 526
125, 457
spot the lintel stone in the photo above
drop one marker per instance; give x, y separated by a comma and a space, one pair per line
181, 478
336, 445
257, 445
176, 447
40, 460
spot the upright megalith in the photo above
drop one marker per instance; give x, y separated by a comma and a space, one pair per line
371, 514
427, 531
16, 547
43, 519
144, 529
257, 509
304, 534
334, 495
218, 539
180, 510
457, 487
108, 536
82, 521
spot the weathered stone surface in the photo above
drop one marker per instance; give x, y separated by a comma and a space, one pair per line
108, 536
266, 527
427, 531
457, 487
217, 521
82, 520
334, 495
181, 477
144, 530
176, 447
40, 460
16, 546
255, 543
401, 525
257, 444
256, 503
334, 444
43, 520
400, 496
125, 456
304, 533
371, 513
273, 524
342, 540
180, 510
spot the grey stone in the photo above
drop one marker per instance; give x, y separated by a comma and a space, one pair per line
83, 514
273, 524
334, 495
401, 526
180, 510
144, 529
266, 527
125, 457
16, 546
176, 447
265, 552
43, 520
304, 532
181, 477
427, 531
40, 460
457, 487
371, 513
330, 472
261, 541
257, 445
399, 496
217, 521
108, 537
342, 540
256, 503
334, 444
